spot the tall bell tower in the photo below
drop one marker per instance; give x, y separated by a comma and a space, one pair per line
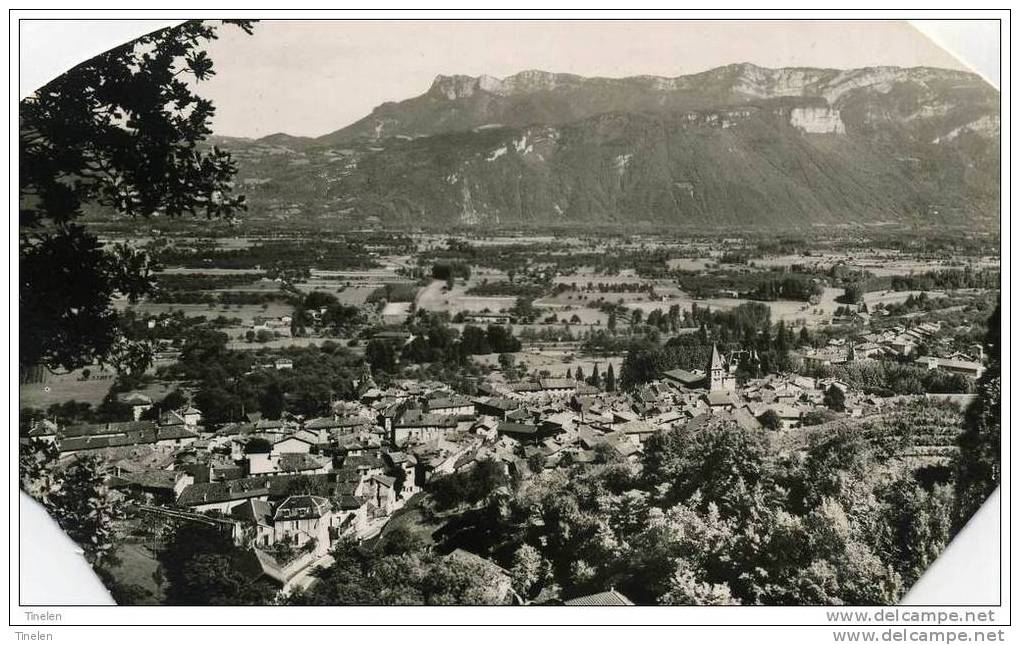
716, 371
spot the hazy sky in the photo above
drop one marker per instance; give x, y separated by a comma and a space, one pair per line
313, 77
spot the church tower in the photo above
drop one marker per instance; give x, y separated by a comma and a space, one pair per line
718, 373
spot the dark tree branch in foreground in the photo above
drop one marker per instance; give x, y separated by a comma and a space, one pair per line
120, 133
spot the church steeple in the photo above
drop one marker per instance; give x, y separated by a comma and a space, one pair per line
716, 362
718, 372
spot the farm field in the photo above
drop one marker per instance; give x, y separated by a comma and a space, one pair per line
588, 315
281, 343
244, 312
555, 361
791, 311
435, 297
584, 275
689, 264
211, 271
873, 298
60, 388
882, 263
395, 312
349, 287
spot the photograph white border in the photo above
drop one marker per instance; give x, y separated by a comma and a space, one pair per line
70, 49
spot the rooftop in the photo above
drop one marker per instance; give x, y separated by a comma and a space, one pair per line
611, 598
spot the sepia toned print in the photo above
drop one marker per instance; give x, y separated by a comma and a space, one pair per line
616, 335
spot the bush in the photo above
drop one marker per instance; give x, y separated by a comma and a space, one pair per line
468, 487
818, 417
258, 445
770, 420
835, 399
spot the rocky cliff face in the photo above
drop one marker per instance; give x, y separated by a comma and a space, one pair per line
817, 120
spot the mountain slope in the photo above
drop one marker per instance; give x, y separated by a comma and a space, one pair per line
740, 146
623, 168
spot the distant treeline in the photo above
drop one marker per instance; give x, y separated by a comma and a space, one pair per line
279, 255
768, 285
451, 270
787, 287
504, 288
218, 297
204, 281
942, 279
648, 263
965, 278
394, 292
888, 378
609, 287
493, 339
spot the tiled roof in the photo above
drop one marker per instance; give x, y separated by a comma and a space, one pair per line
364, 462
174, 432
625, 448
269, 424
160, 479
525, 386
295, 437
418, 420
611, 598
397, 458
254, 510
171, 419
92, 429
148, 435
301, 507
449, 402
231, 429
684, 376
323, 423
636, 427
557, 384
520, 414
298, 462
246, 488
516, 428
498, 403
719, 398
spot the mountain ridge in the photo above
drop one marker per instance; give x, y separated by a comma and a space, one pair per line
463, 102
455, 86
740, 145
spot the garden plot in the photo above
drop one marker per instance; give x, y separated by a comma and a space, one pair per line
436, 297
61, 388
873, 298
554, 361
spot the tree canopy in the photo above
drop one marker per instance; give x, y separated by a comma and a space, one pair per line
118, 133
